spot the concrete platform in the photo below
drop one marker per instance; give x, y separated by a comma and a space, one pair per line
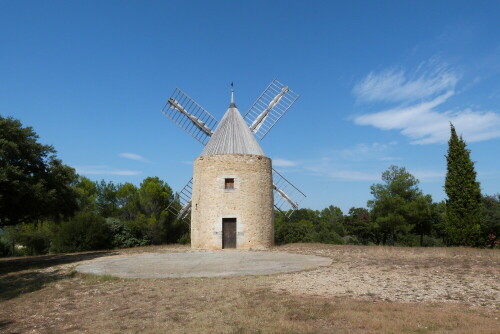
203, 264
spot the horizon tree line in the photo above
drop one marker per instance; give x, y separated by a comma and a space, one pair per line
46, 207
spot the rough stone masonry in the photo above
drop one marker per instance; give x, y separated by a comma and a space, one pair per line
250, 202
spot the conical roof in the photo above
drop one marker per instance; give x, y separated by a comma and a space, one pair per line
232, 136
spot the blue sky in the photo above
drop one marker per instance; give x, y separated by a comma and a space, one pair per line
379, 82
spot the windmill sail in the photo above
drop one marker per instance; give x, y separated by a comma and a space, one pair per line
287, 197
190, 116
181, 205
271, 105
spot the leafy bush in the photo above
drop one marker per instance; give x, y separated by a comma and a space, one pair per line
293, 231
185, 239
430, 241
327, 237
407, 240
36, 237
86, 231
4, 247
28, 239
122, 235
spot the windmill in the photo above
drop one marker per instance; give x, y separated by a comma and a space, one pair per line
234, 189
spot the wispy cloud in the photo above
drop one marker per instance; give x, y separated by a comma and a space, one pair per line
352, 175
424, 125
421, 121
104, 170
341, 174
361, 162
397, 85
284, 163
133, 156
365, 151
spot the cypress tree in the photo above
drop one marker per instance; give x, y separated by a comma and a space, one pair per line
463, 207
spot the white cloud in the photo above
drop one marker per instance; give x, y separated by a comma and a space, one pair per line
361, 162
352, 175
133, 156
364, 151
394, 85
104, 170
336, 173
424, 125
432, 85
284, 163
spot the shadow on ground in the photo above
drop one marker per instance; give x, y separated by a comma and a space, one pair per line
44, 261
22, 275
5, 323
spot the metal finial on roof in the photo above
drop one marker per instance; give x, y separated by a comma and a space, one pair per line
232, 105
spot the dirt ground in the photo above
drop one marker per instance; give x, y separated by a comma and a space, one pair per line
471, 276
364, 290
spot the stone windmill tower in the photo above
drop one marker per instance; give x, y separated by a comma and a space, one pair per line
234, 188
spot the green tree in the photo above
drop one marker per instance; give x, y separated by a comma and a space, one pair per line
438, 222
156, 222
359, 226
398, 203
332, 219
490, 221
34, 184
421, 215
87, 194
127, 200
107, 200
463, 206
154, 195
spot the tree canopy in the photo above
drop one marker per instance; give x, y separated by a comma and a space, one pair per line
399, 206
463, 206
34, 184
51, 209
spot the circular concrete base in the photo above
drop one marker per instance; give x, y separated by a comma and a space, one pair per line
203, 264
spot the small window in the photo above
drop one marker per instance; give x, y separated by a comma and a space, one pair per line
229, 184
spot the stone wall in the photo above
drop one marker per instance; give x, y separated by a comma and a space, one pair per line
251, 201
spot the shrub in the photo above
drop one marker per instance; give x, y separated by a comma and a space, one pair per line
122, 236
36, 238
185, 239
86, 231
430, 241
325, 236
4, 247
293, 231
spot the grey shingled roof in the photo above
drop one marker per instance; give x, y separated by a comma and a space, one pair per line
232, 136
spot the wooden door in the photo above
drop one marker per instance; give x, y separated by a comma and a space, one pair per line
228, 232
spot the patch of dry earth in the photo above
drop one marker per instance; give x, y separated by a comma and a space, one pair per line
399, 274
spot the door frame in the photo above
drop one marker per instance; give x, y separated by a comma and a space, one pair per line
230, 220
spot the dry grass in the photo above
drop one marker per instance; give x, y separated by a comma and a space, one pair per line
463, 275
69, 302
